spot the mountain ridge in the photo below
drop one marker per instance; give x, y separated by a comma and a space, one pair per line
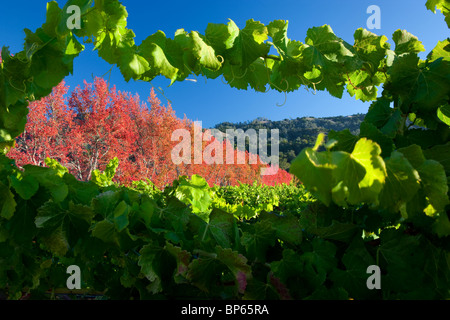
296, 134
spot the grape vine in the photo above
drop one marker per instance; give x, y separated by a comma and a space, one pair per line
382, 196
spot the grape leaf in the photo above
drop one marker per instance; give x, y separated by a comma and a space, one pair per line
405, 42
402, 182
7, 202
351, 178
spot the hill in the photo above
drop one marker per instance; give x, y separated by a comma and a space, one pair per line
299, 133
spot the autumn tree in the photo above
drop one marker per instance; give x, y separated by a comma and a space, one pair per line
96, 123
48, 132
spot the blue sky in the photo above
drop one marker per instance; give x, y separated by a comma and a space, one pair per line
212, 101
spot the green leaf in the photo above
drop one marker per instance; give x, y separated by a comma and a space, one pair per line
441, 5
360, 175
183, 258
14, 72
163, 55
353, 276
287, 68
255, 75
105, 179
346, 141
203, 52
55, 165
51, 215
435, 187
106, 231
61, 226
121, 213
396, 248
82, 192
54, 15
288, 270
257, 239
21, 226
324, 50
278, 32
322, 45
443, 114
351, 178
441, 227
379, 112
175, 217
25, 185
440, 153
12, 121
361, 86
209, 271
108, 23
426, 86
367, 74
195, 192
50, 54
370, 48
238, 266
393, 125
402, 182
442, 50
221, 36
318, 262
414, 155
222, 227
402, 258
105, 203
369, 131
151, 262
433, 180
146, 210
338, 231
205, 272
133, 65
315, 172
7, 202
322, 255
84, 6
406, 43
49, 179
287, 227
249, 44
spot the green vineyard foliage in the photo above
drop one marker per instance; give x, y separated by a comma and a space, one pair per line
377, 198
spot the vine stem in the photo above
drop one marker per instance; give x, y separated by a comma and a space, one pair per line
350, 81
204, 233
273, 57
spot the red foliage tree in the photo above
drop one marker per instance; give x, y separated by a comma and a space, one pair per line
275, 176
96, 124
47, 132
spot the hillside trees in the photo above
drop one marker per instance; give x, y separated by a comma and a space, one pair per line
297, 134
384, 191
95, 124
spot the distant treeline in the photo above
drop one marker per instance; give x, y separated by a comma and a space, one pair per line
296, 134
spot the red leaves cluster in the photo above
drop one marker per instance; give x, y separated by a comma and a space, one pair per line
276, 176
96, 123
